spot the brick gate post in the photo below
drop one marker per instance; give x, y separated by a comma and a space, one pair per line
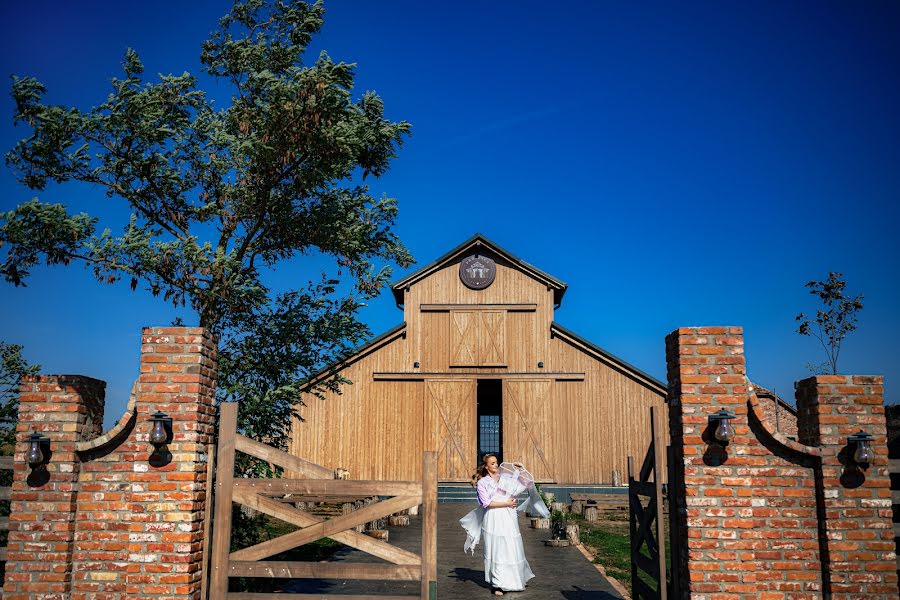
111, 516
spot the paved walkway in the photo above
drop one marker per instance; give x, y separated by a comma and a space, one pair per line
559, 572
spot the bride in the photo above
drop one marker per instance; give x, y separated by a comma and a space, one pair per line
505, 566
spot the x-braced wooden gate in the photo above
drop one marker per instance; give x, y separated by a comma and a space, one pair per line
262, 495
648, 556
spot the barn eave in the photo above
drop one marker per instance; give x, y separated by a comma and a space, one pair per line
652, 383
356, 354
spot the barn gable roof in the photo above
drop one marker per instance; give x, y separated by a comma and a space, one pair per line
558, 287
612, 360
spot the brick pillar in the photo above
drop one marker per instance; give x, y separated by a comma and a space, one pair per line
140, 523
67, 409
178, 376
857, 534
706, 372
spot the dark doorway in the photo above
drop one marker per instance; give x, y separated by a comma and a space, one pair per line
490, 418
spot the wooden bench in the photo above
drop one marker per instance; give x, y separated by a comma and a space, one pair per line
601, 498
591, 506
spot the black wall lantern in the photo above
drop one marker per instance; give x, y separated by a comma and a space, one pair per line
35, 455
161, 432
863, 453
721, 419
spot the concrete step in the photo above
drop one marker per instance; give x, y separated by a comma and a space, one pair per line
455, 493
466, 493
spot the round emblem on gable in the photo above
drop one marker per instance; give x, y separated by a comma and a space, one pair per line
477, 271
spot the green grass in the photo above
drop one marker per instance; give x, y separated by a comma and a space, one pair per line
612, 548
610, 543
316, 551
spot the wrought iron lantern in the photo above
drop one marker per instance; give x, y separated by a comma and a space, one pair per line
160, 433
863, 453
724, 432
35, 454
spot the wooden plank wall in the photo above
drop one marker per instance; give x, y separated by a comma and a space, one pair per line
608, 419
375, 428
527, 337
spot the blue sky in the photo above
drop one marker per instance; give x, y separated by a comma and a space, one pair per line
674, 164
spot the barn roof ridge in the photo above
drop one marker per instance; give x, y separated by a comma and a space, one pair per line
558, 286
621, 364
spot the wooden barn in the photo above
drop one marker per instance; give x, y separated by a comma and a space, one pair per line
478, 365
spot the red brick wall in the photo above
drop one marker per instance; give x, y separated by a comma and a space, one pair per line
858, 530
767, 517
781, 418
42, 508
114, 521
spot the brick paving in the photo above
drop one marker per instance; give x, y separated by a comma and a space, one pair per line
559, 572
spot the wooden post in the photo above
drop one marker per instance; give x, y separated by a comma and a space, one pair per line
658, 471
632, 525
429, 526
573, 534
221, 545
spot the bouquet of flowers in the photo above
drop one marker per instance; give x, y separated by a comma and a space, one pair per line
514, 479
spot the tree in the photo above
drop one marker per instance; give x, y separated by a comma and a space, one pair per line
13, 367
834, 321
221, 196
892, 417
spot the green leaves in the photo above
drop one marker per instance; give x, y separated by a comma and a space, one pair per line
34, 230
13, 367
219, 196
834, 321
266, 355
132, 64
273, 170
259, 36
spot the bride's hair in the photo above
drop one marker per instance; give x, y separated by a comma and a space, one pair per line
482, 471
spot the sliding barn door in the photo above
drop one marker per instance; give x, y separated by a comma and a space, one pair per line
450, 415
527, 426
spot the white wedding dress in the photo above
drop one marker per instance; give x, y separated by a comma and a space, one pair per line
505, 566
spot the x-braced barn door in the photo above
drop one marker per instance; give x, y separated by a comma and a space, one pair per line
450, 428
477, 338
527, 425
276, 497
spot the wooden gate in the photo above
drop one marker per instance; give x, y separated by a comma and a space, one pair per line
319, 482
648, 556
